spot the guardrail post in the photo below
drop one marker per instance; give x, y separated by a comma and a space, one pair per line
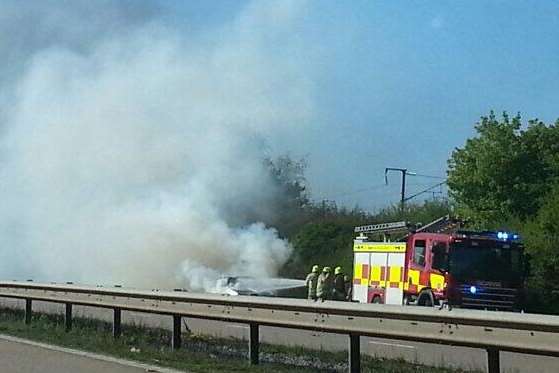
28, 311
177, 340
68, 317
117, 327
354, 353
253, 343
493, 361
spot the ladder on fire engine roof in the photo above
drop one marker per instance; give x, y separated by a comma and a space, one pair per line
444, 224
385, 229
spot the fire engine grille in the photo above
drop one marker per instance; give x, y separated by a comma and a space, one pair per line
490, 298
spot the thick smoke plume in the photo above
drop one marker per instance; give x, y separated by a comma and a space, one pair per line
122, 151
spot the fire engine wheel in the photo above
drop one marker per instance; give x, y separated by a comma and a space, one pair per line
376, 299
426, 299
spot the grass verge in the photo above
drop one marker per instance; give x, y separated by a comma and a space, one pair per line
199, 354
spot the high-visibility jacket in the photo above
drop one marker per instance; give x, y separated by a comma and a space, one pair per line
324, 286
311, 283
339, 292
348, 288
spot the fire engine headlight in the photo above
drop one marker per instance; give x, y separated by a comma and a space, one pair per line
473, 289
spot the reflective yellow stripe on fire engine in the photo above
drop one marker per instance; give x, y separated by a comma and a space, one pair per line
413, 280
361, 274
395, 277
383, 277
357, 271
375, 276
384, 247
437, 281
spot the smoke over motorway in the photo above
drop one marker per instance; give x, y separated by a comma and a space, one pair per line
128, 148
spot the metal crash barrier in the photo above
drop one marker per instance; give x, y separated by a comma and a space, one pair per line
492, 331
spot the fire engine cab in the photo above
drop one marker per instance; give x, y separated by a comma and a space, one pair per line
438, 264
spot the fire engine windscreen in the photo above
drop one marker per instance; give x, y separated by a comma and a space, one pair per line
491, 262
132, 153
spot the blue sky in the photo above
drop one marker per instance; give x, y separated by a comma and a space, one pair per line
400, 83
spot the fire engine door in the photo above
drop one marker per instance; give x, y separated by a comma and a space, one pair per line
394, 291
361, 269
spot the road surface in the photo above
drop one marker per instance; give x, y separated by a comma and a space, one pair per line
19, 356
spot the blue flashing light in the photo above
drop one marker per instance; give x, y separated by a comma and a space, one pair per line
507, 236
473, 289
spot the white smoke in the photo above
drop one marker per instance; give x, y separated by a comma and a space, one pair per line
118, 161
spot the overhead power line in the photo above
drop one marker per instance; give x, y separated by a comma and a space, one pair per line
428, 176
426, 190
405, 172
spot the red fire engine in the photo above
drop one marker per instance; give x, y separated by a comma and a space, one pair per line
438, 264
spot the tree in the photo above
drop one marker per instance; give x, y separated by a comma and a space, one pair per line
289, 176
505, 171
324, 243
508, 176
542, 241
290, 197
541, 236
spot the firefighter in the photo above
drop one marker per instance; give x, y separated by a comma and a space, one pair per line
324, 285
311, 282
339, 291
348, 288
